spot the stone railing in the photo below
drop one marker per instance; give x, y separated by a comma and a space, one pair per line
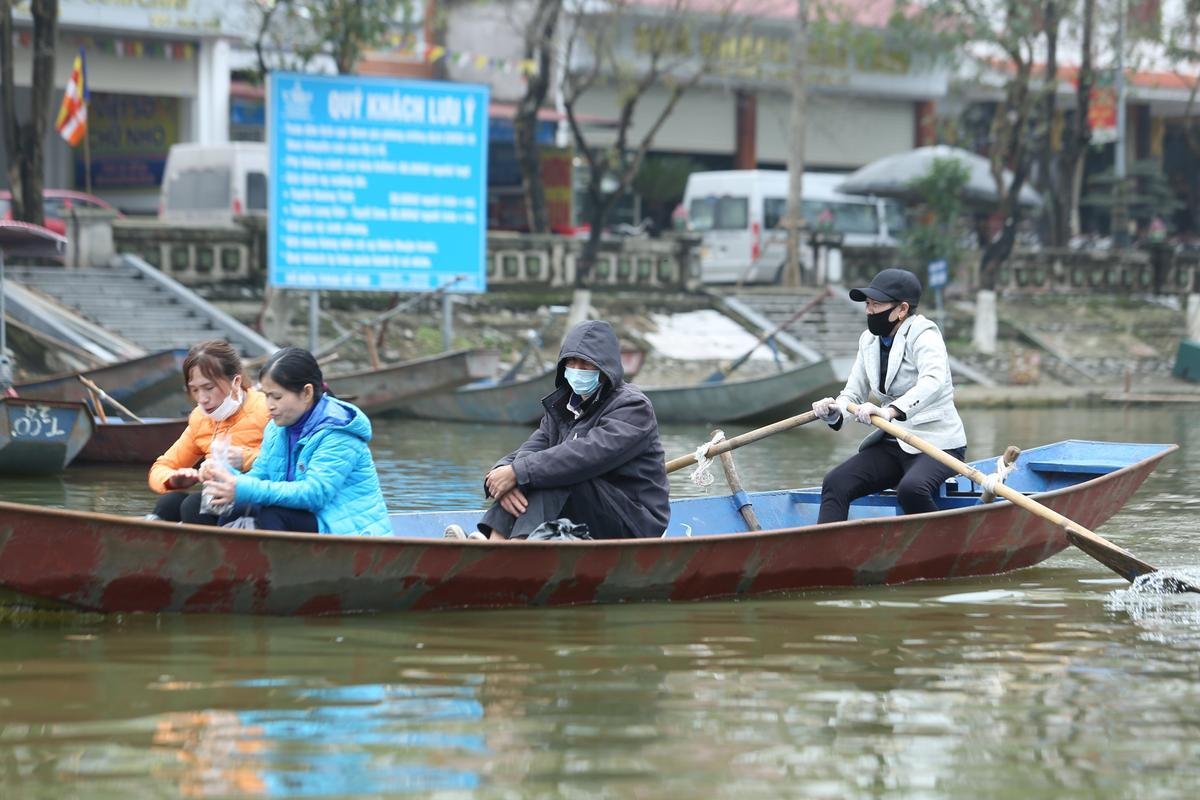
1054, 271
202, 255
670, 262
197, 255
1076, 271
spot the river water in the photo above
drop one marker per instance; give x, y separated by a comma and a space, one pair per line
1051, 681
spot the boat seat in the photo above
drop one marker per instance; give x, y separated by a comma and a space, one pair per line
1074, 467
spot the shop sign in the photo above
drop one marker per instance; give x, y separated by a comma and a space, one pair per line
376, 184
129, 136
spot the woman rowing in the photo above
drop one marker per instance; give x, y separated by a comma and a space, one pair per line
902, 360
225, 409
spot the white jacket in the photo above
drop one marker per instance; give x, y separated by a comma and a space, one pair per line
917, 383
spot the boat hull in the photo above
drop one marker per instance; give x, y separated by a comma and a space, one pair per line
113, 564
139, 383
40, 437
120, 442
379, 391
514, 403
774, 396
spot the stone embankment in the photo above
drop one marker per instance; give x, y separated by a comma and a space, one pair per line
1052, 350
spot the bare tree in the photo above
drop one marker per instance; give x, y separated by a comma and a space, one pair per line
23, 142
291, 34
539, 47
667, 61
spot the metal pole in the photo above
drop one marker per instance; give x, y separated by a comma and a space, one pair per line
447, 321
5, 367
795, 207
1120, 209
314, 319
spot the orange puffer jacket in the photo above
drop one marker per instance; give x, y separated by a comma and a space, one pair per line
244, 429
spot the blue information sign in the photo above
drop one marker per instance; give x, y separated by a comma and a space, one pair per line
377, 183
939, 273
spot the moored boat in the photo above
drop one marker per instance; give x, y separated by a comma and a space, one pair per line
40, 437
381, 390
118, 441
137, 383
771, 397
113, 564
520, 402
516, 402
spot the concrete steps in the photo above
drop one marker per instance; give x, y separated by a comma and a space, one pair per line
140, 304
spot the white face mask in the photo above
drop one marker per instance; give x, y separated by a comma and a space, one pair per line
229, 405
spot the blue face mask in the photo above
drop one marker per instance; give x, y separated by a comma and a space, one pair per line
582, 381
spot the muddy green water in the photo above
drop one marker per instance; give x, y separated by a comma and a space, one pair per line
1048, 682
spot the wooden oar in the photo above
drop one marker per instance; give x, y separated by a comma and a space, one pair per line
105, 396
1118, 559
725, 445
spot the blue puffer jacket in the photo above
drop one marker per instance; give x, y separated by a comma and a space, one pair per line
335, 474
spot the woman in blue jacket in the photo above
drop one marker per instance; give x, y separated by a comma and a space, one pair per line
315, 472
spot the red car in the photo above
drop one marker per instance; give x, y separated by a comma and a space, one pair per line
56, 206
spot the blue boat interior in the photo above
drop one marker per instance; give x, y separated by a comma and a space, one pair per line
1040, 469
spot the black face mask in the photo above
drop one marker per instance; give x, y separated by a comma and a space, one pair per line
879, 324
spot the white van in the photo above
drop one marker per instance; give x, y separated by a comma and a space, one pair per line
210, 184
739, 213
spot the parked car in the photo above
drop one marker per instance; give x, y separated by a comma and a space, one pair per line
211, 184
57, 205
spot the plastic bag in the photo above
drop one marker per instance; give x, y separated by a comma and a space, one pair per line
219, 458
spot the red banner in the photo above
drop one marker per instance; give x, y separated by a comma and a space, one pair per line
1102, 109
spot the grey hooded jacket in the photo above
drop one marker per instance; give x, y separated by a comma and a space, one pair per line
615, 440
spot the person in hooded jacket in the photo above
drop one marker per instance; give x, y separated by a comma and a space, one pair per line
315, 473
902, 360
595, 459
225, 407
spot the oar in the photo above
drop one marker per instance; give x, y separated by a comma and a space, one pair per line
725, 445
105, 396
1118, 559
724, 372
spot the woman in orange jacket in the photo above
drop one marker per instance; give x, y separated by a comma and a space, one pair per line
213, 376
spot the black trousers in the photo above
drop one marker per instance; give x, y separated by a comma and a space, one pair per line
884, 465
274, 518
593, 503
182, 507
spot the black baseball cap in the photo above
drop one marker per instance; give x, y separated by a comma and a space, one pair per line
891, 285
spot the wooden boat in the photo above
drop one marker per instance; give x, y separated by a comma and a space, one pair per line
513, 402
520, 402
118, 441
108, 563
774, 396
384, 389
137, 383
40, 437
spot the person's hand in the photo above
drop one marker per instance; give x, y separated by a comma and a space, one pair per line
514, 502
221, 487
501, 481
183, 478
827, 409
208, 469
236, 456
867, 410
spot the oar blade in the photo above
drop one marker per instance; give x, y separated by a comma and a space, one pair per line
1127, 565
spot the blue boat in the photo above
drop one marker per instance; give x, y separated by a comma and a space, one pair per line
117, 564
40, 437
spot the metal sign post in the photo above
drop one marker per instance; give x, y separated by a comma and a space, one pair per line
5, 367
314, 320
939, 275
